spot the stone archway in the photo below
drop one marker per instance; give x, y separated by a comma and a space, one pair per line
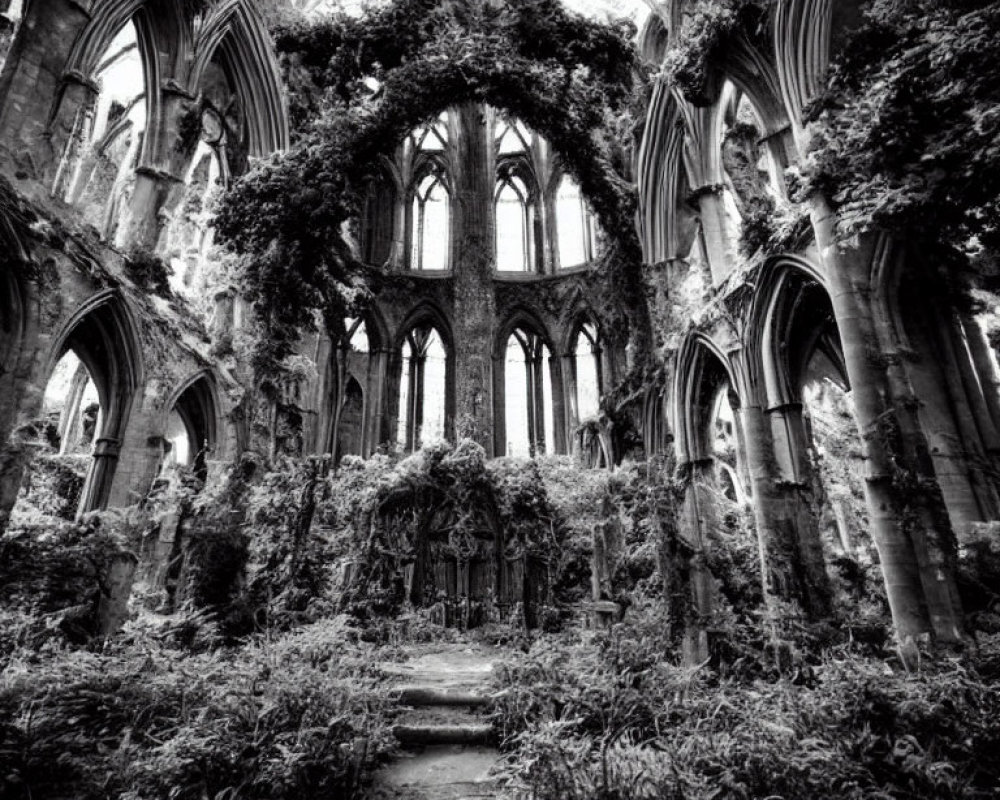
102, 336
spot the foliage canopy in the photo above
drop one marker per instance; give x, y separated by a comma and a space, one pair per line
906, 137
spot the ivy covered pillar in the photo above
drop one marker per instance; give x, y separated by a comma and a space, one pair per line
911, 531
790, 554
689, 585
474, 264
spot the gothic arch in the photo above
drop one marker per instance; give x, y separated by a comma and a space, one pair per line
236, 32
791, 318
196, 402
526, 321
703, 370
103, 336
426, 313
529, 320
157, 29
428, 316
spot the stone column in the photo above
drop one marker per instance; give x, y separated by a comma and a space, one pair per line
474, 265
39, 102
376, 426
690, 587
159, 181
559, 424
790, 553
717, 236
913, 550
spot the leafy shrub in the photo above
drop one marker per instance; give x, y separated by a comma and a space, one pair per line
54, 571
619, 722
301, 717
52, 485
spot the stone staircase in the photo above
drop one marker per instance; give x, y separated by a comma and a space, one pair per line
448, 751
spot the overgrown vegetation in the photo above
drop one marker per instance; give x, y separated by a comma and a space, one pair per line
302, 716
905, 137
613, 718
361, 84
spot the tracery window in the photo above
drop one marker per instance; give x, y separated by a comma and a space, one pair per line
356, 336
575, 225
422, 388
513, 226
587, 362
528, 413
431, 138
431, 224
513, 138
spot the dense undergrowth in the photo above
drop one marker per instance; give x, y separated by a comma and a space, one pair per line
613, 717
298, 716
249, 665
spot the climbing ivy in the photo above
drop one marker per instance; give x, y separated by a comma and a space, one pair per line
906, 137
361, 84
708, 29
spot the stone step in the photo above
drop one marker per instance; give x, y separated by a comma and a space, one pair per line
435, 696
443, 772
465, 733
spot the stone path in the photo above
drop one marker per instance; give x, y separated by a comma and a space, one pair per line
448, 751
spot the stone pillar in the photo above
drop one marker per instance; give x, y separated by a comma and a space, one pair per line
689, 584
570, 410
717, 236
913, 550
39, 102
559, 425
97, 488
536, 405
159, 182
932, 380
474, 266
375, 424
790, 553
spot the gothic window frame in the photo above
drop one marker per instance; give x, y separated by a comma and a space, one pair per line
428, 180
411, 417
589, 330
540, 415
510, 180
588, 223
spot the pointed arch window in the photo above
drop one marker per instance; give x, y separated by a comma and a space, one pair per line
356, 336
513, 138
575, 225
422, 388
528, 414
587, 363
432, 138
514, 221
431, 224
378, 220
